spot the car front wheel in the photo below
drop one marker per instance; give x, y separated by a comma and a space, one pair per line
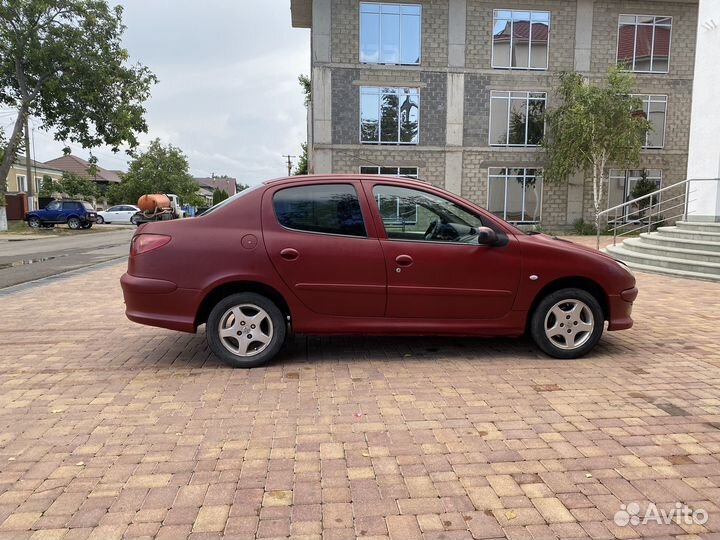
246, 330
74, 223
567, 323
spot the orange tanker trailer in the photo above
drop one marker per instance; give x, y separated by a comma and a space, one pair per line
157, 207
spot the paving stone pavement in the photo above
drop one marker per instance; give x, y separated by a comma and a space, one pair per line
113, 430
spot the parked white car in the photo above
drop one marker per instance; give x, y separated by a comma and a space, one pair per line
121, 213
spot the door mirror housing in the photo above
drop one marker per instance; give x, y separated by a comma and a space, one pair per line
487, 236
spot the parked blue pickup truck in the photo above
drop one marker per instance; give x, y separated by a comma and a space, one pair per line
76, 214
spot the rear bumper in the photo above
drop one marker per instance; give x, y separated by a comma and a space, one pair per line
621, 309
157, 302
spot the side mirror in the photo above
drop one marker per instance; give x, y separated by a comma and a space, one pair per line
486, 236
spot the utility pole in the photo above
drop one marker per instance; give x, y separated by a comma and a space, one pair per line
289, 164
30, 181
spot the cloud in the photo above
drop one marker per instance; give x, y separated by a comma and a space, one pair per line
228, 94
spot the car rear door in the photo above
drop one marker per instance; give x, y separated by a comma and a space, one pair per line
447, 275
322, 243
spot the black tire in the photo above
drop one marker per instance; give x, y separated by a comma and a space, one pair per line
87, 225
100, 220
74, 223
34, 222
134, 220
219, 315
566, 328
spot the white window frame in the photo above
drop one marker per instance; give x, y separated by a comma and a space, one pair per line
652, 46
494, 95
538, 177
647, 99
38, 184
511, 67
381, 91
420, 34
378, 168
624, 174
21, 181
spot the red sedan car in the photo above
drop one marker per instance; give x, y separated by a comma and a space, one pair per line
349, 254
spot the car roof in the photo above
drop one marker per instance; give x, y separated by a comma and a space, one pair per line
350, 176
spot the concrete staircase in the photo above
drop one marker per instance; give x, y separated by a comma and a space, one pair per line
689, 249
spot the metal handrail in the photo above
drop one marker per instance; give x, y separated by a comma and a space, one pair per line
661, 190
656, 205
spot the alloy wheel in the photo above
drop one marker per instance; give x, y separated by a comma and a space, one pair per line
569, 324
245, 330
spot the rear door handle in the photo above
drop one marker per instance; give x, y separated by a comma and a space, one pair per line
404, 260
289, 254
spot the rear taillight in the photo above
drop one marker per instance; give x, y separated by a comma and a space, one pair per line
142, 243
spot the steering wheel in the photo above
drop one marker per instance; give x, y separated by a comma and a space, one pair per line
431, 230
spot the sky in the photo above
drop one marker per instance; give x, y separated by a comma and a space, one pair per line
228, 94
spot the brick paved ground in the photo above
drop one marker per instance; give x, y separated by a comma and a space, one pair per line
110, 430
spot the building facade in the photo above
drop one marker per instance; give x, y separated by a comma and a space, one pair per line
17, 180
453, 91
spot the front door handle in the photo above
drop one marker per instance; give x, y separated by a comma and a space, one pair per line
289, 254
404, 260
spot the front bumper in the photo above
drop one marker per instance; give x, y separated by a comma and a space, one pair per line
158, 302
620, 317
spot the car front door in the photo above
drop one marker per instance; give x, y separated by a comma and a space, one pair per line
52, 212
322, 243
436, 268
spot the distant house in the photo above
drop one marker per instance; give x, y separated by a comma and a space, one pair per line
17, 181
79, 166
228, 185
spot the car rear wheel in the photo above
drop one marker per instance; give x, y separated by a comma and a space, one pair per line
100, 220
87, 225
134, 220
34, 222
567, 323
246, 330
74, 223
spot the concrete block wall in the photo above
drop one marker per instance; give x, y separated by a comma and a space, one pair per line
457, 145
480, 23
430, 164
684, 25
346, 32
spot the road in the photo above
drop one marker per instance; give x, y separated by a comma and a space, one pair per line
22, 261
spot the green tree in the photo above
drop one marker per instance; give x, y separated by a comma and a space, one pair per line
239, 186
47, 187
62, 62
302, 166
76, 186
594, 127
306, 85
160, 169
219, 195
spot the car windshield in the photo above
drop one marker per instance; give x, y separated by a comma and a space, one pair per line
229, 200
88, 206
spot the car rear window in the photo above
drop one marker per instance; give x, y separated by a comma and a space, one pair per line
322, 208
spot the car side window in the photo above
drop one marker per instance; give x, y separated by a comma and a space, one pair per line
55, 205
415, 215
69, 206
321, 208
114, 209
